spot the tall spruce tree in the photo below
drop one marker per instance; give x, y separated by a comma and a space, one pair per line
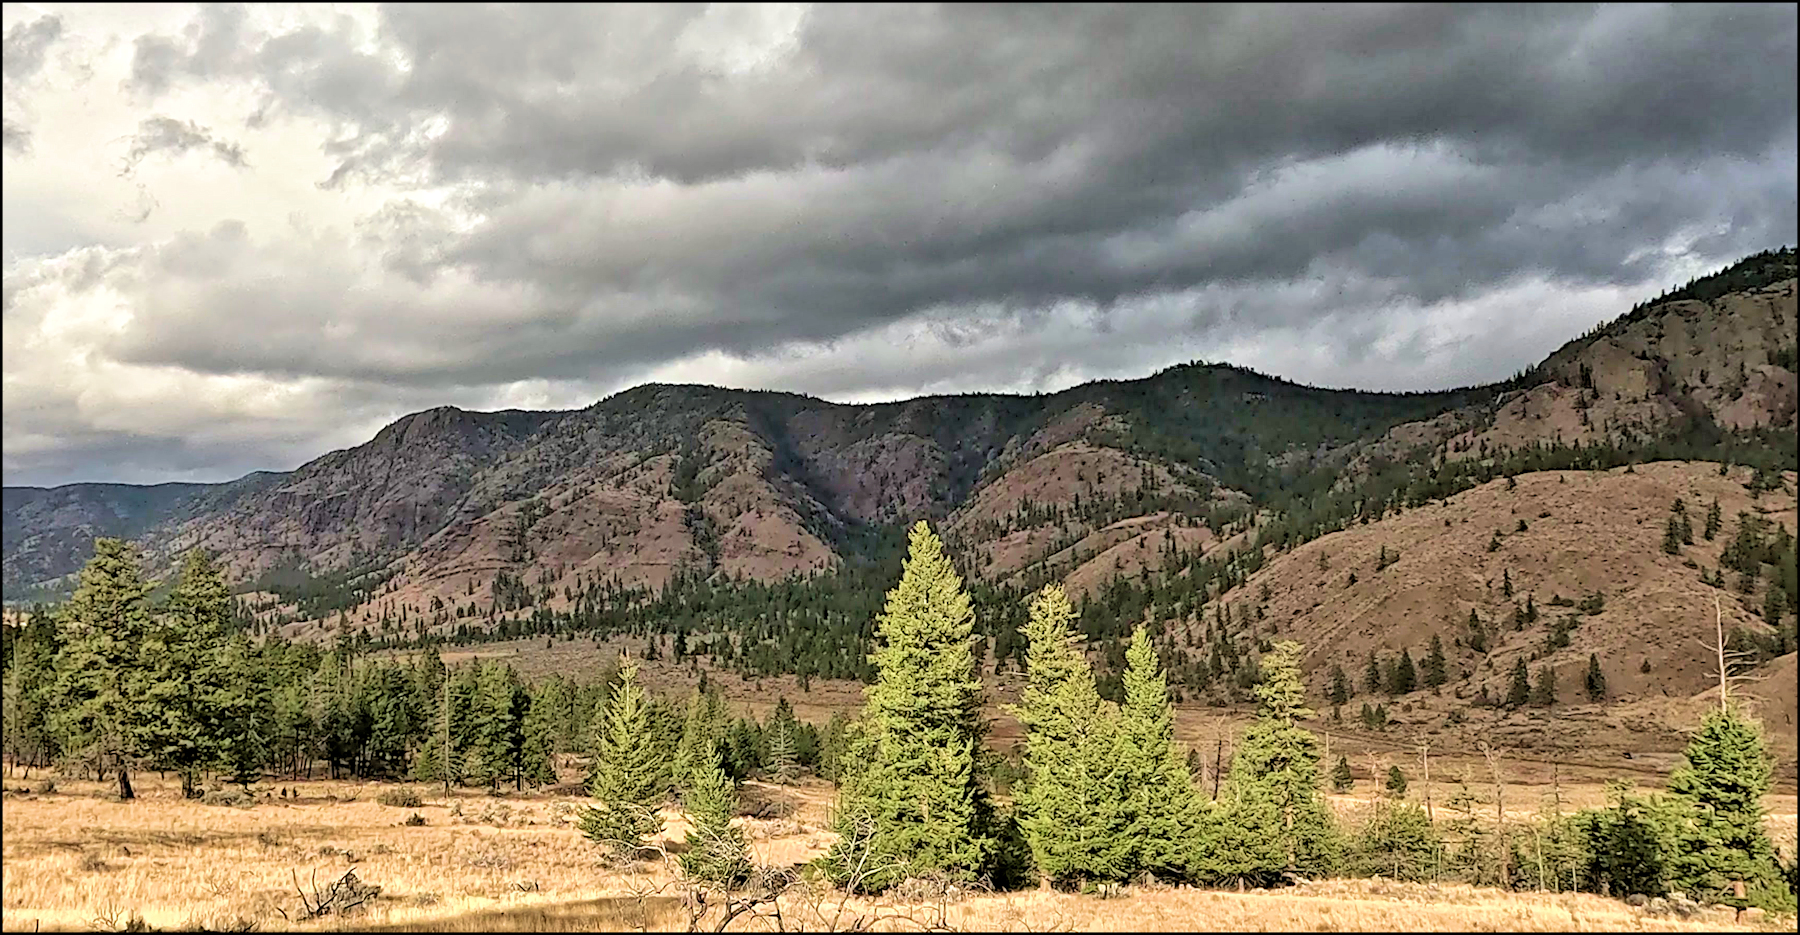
183, 674
1519, 691
1595, 682
100, 711
1160, 796
1372, 675
1436, 667
1405, 677
1274, 818
1341, 778
539, 754
913, 798
1543, 694
1339, 693
1073, 811
1722, 839
630, 775
717, 853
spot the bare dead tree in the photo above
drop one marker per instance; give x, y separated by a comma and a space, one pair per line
1499, 814
1724, 658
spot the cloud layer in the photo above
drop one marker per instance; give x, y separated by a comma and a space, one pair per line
237, 237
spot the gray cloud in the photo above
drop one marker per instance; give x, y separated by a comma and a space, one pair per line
25, 47
161, 135
868, 201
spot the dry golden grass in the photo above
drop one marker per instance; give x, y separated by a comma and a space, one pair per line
78, 859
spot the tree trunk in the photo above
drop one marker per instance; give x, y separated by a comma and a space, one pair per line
187, 785
125, 792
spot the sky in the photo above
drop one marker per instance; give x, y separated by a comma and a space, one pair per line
238, 237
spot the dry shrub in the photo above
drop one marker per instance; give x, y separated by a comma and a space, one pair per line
44, 786
93, 863
401, 798
233, 797
415, 820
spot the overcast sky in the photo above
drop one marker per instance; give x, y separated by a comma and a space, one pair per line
239, 237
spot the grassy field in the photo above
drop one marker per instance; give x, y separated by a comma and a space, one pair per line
77, 859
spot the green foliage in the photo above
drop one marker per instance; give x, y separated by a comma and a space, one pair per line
630, 777
99, 716
1594, 683
1404, 678
1153, 773
1543, 694
717, 853
1341, 779
1399, 842
1437, 669
1629, 843
1722, 837
1073, 810
913, 802
1396, 783
1519, 691
1339, 692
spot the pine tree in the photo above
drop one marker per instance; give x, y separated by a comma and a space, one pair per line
539, 754
1341, 779
1161, 798
630, 777
1070, 811
1671, 543
1714, 520
1543, 694
717, 853
1595, 683
1372, 675
1339, 693
1519, 692
913, 799
1722, 839
784, 763
244, 712
183, 675
832, 744
1273, 817
1405, 677
1396, 782
1436, 667
99, 708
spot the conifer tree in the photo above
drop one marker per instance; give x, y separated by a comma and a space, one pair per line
1671, 542
99, 710
630, 777
183, 675
1595, 683
1339, 693
243, 711
1396, 782
1072, 811
1436, 667
1722, 839
913, 798
1405, 676
1543, 694
539, 754
1519, 692
1341, 779
832, 744
784, 763
717, 853
1372, 675
1714, 520
1274, 818
1161, 799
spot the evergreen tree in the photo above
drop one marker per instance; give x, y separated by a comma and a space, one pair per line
99, 711
832, 744
1436, 667
1339, 693
1072, 811
244, 712
913, 798
1404, 678
1671, 542
539, 754
630, 777
1543, 694
1722, 839
717, 853
1341, 779
784, 762
1519, 692
1372, 675
1714, 520
1396, 782
183, 675
1161, 798
1595, 683
1273, 817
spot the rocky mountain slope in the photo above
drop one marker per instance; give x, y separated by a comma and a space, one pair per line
478, 513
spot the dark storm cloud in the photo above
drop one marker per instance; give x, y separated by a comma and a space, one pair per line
581, 194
